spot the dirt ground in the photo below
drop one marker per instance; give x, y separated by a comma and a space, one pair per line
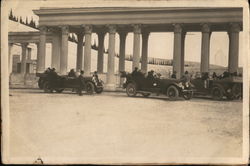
112, 127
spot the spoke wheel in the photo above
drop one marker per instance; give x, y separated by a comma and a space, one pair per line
90, 88
131, 89
172, 92
237, 91
188, 95
217, 93
99, 90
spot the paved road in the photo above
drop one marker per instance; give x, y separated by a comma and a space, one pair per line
114, 127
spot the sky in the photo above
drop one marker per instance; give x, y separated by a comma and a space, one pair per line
160, 44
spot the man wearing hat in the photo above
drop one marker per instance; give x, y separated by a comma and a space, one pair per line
81, 82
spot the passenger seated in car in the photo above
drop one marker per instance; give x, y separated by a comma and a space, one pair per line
135, 72
95, 77
226, 74
140, 74
173, 75
47, 70
78, 73
215, 76
186, 77
72, 73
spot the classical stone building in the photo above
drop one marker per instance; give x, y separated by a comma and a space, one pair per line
56, 24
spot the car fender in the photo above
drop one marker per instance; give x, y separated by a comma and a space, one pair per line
87, 81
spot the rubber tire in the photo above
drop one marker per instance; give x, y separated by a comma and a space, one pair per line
172, 89
237, 91
131, 90
145, 94
90, 88
217, 93
99, 90
188, 96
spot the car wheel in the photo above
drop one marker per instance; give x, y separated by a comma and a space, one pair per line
99, 90
237, 91
188, 95
217, 93
46, 87
145, 94
131, 89
59, 90
172, 92
90, 88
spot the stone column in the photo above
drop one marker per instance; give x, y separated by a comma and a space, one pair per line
64, 50
87, 49
123, 36
177, 50
233, 59
10, 58
205, 47
111, 56
42, 50
24, 57
79, 53
183, 36
100, 57
29, 53
37, 55
144, 53
55, 58
136, 47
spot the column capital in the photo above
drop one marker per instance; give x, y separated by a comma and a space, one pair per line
137, 28
177, 28
79, 33
88, 29
43, 30
122, 33
65, 30
205, 28
112, 29
24, 45
234, 28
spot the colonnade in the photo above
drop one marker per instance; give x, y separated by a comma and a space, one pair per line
83, 58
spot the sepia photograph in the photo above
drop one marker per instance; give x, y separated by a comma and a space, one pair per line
125, 82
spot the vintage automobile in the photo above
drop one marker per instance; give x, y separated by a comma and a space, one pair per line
92, 84
173, 88
229, 87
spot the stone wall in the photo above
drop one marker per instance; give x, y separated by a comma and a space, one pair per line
28, 80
